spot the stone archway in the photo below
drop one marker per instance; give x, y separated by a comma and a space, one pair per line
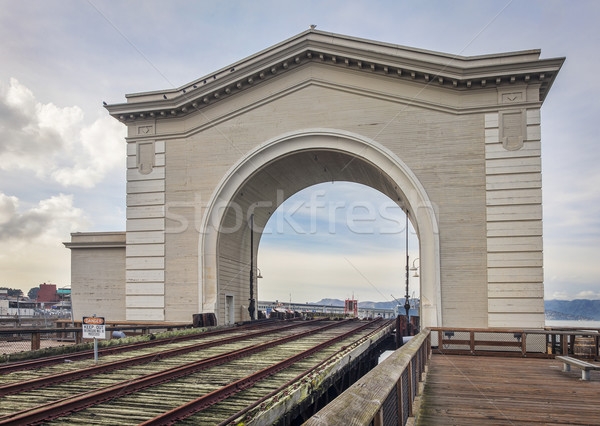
468, 127
282, 166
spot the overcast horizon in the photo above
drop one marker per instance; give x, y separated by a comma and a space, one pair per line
62, 157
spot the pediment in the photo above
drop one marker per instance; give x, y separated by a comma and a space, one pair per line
453, 72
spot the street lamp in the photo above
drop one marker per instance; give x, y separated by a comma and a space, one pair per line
407, 297
252, 301
415, 269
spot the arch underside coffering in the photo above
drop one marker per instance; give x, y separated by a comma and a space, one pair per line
278, 169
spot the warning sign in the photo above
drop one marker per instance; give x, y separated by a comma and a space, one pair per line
94, 328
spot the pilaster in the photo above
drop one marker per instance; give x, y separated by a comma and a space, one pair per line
145, 244
514, 217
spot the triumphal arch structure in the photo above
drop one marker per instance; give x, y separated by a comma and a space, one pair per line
454, 140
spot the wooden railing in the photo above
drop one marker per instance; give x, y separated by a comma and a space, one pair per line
386, 394
508, 342
14, 340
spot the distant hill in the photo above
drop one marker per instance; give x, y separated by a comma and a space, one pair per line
561, 316
580, 309
377, 305
330, 302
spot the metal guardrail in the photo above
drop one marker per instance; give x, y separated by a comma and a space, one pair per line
386, 394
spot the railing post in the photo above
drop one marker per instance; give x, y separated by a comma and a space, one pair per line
422, 352
78, 336
35, 341
398, 333
428, 346
524, 344
472, 342
572, 343
399, 400
440, 337
410, 388
378, 420
403, 396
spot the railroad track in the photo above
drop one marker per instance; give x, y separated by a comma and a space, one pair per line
89, 354
46, 380
222, 375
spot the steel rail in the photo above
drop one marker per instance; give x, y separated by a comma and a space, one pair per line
16, 387
216, 396
75, 356
61, 407
235, 417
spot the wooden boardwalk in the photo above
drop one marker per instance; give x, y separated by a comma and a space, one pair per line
469, 390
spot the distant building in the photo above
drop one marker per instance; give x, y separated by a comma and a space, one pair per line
47, 294
16, 308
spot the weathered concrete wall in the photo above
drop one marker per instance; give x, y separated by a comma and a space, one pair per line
98, 275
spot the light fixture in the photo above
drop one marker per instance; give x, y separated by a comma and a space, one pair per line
415, 268
259, 274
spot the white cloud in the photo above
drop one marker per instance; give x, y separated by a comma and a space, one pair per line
31, 251
572, 205
559, 295
52, 218
55, 142
588, 294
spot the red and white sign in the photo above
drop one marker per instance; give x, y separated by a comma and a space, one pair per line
94, 328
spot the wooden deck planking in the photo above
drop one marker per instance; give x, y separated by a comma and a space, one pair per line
465, 390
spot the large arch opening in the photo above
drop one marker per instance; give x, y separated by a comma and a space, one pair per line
274, 171
337, 240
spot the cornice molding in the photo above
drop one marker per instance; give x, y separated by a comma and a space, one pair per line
396, 62
88, 240
95, 244
217, 119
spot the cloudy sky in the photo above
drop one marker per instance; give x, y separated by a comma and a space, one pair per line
62, 157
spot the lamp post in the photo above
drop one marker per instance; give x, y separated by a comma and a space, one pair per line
258, 276
406, 301
251, 305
